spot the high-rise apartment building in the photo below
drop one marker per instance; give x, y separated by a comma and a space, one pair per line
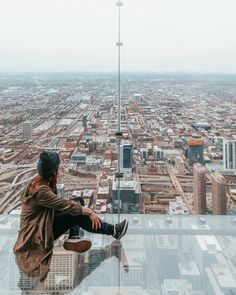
199, 186
84, 121
180, 165
218, 188
229, 154
62, 270
126, 158
195, 152
129, 197
27, 130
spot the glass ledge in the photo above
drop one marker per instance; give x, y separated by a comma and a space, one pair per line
160, 254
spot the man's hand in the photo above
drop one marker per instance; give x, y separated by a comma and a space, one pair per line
96, 221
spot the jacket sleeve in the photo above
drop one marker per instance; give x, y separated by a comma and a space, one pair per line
47, 198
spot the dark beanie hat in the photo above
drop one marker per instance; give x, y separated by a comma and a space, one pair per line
48, 163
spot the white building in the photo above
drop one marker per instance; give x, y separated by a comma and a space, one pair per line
114, 290
181, 287
220, 277
62, 272
61, 190
143, 153
27, 130
229, 154
177, 207
180, 165
189, 271
157, 153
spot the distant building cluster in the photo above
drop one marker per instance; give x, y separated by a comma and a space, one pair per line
167, 128
177, 156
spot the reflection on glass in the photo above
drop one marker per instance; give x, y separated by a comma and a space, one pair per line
159, 255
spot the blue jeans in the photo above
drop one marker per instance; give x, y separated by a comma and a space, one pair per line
64, 222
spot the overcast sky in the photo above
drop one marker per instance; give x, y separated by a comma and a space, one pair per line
158, 35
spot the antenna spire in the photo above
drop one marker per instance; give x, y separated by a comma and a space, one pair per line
119, 175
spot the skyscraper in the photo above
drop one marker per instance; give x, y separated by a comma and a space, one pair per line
126, 158
218, 188
229, 154
27, 130
84, 121
195, 152
199, 186
62, 270
129, 196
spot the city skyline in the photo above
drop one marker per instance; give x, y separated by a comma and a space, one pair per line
159, 148
169, 124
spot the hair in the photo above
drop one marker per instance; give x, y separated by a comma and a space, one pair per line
52, 180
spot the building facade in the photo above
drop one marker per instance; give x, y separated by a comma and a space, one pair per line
199, 187
229, 154
62, 270
126, 158
27, 131
218, 187
195, 152
129, 197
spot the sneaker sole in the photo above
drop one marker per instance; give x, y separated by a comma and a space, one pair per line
124, 229
80, 246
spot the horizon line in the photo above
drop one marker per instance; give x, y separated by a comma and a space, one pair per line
115, 72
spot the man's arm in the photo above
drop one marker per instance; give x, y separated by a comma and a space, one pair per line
47, 198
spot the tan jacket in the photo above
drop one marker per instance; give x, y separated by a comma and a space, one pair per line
34, 246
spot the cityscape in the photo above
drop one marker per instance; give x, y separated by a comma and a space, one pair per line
129, 108
177, 150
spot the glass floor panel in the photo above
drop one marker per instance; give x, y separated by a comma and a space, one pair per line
160, 254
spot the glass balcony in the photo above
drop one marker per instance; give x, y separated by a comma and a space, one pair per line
161, 254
